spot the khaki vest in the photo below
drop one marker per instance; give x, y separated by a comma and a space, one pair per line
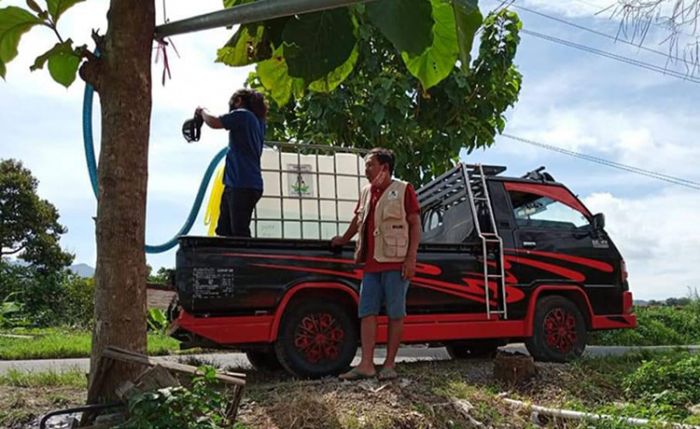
390, 225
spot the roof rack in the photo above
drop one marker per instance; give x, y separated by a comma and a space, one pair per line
448, 189
539, 175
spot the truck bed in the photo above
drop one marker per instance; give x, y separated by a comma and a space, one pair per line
219, 276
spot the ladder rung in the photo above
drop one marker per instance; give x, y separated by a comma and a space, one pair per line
493, 275
489, 234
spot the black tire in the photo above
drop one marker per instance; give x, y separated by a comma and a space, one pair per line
559, 331
264, 360
316, 338
473, 349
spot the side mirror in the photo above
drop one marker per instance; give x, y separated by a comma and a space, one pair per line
598, 221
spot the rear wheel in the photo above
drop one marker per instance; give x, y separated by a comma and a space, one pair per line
263, 360
316, 338
559, 331
472, 349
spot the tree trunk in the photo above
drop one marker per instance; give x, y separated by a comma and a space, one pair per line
123, 80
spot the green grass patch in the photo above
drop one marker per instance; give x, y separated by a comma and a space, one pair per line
17, 378
54, 343
656, 386
657, 326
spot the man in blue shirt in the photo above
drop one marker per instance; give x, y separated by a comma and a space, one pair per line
243, 184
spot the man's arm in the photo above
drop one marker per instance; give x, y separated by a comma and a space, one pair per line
211, 120
339, 240
414, 233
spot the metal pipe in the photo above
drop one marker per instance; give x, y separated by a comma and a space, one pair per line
260, 10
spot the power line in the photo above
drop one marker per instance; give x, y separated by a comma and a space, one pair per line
668, 56
624, 167
610, 55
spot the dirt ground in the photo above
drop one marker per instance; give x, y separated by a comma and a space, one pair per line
446, 394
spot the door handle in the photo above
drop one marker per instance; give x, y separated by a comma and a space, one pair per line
529, 243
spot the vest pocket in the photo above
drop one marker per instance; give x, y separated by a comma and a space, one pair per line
395, 247
392, 210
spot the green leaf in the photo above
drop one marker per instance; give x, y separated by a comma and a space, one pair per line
241, 49
318, 43
63, 67
468, 20
331, 81
274, 75
14, 22
57, 7
406, 23
232, 3
39, 62
437, 62
3, 69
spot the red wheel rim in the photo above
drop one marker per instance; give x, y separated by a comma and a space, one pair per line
560, 330
318, 337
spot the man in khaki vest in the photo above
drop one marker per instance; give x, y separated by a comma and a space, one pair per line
387, 218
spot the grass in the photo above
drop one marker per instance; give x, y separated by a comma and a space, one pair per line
56, 343
16, 378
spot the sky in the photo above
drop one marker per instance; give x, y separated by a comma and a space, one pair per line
571, 99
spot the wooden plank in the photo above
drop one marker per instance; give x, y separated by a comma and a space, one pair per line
131, 357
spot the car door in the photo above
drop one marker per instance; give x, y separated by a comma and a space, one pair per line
555, 241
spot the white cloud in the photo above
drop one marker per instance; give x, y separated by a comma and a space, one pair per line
657, 238
572, 8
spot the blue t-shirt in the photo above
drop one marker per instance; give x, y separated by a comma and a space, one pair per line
245, 142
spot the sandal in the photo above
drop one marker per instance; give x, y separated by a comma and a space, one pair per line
354, 374
387, 374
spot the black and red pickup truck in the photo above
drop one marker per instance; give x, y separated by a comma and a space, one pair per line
501, 260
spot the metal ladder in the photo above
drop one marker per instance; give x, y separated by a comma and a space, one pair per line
491, 242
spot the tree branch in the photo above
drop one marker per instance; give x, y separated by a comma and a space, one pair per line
12, 251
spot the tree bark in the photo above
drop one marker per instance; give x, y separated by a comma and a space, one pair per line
124, 85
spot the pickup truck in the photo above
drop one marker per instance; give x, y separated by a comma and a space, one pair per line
502, 259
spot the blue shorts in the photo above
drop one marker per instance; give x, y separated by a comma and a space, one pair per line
384, 287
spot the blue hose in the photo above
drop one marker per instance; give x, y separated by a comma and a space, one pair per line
92, 169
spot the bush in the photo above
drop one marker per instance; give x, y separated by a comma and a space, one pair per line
202, 406
666, 381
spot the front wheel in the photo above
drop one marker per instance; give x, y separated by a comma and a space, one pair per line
316, 338
559, 331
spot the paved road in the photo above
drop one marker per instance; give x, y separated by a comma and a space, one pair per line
238, 360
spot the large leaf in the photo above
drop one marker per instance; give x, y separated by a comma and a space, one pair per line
274, 75
3, 69
468, 20
437, 62
331, 81
63, 66
242, 48
57, 7
39, 62
406, 23
318, 43
14, 22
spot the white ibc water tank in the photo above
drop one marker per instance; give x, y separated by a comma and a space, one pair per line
307, 196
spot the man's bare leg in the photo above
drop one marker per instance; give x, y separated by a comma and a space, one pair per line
394, 340
368, 336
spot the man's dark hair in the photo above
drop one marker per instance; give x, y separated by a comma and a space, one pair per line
252, 100
384, 156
